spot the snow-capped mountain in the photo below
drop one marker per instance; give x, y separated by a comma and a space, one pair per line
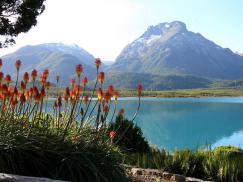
169, 49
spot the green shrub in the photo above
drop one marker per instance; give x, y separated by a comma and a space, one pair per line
129, 136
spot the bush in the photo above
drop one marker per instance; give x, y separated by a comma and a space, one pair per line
129, 136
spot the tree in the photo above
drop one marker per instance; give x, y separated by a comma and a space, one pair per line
17, 16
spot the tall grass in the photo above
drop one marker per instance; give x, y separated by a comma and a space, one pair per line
221, 164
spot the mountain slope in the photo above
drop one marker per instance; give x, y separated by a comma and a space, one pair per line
155, 82
169, 48
60, 59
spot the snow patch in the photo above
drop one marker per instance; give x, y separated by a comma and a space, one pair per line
152, 38
167, 25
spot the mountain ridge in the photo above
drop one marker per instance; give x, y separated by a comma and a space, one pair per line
169, 48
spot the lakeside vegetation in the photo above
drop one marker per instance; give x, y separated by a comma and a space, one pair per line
225, 92
185, 93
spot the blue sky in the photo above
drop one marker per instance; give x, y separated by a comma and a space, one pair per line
104, 27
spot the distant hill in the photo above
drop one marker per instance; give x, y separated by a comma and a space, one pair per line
155, 82
59, 58
170, 49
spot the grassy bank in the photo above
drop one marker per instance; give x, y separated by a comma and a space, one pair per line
221, 164
174, 93
189, 93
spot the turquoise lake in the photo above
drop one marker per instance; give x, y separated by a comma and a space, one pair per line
180, 123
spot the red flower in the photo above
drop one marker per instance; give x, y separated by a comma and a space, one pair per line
1, 76
8, 79
97, 62
22, 98
79, 69
115, 94
140, 89
26, 77
111, 89
78, 89
86, 99
100, 94
112, 134
34, 74
46, 73
107, 96
59, 101
38, 97
18, 64
102, 77
48, 85
121, 112
72, 82
23, 85
85, 81
106, 109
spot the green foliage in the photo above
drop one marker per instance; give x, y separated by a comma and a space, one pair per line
17, 16
129, 136
221, 164
84, 157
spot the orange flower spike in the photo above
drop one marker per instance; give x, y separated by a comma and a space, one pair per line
22, 98
18, 65
106, 109
48, 85
34, 75
86, 99
140, 89
116, 95
107, 96
67, 92
27, 94
23, 86
4, 88
35, 91
31, 91
102, 77
78, 89
43, 79
97, 62
111, 89
57, 78
100, 94
59, 101
8, 79
1, 76
72, 82
38, 97
13, 102
85, 81
26, 77
112, 134
1, 63
121, 112
79, 69
46, 73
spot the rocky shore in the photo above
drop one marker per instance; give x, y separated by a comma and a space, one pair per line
154, 175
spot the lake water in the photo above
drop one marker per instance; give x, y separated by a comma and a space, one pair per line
180, 123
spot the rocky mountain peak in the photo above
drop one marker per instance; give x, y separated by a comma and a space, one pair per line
163, 28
